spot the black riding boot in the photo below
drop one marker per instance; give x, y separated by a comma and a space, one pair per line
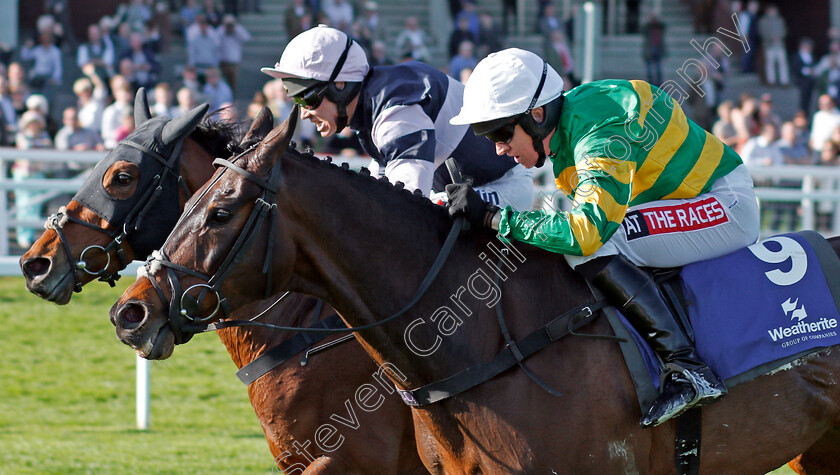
689, 382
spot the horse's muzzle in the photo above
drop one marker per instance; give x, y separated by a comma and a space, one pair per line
45, 280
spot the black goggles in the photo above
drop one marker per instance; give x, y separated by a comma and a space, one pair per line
498, 130
312, 97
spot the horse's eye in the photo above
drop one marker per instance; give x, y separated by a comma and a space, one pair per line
220, 215
124, 178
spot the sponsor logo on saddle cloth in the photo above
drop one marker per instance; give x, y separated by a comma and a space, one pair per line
677, 218
763, 306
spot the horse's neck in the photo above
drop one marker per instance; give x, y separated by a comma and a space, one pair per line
366, 248
196, 166
246, 343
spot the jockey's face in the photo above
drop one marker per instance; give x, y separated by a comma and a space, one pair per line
520, 147
323, 116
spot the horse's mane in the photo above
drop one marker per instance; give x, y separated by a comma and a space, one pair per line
364, 176
221, 138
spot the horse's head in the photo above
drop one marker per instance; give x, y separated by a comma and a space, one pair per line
234, 210
125, 208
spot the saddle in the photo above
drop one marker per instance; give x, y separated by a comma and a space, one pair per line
749, 312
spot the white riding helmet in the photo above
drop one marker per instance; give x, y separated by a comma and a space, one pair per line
315, 53
315, 60
503, 85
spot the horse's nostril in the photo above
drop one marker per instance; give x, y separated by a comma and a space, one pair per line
131, 315
36, 267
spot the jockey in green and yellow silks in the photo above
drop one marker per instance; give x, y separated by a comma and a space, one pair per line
649, 187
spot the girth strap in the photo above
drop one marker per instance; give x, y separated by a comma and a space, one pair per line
278, 355
505, 359
687, 442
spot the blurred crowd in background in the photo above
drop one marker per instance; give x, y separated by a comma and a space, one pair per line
123, 51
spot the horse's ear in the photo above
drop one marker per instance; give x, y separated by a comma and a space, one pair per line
276, 143
177, 129
141, 107
262, 125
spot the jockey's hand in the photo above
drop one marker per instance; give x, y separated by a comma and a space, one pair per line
464, 201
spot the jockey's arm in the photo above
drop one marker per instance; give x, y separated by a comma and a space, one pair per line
405, 136
414, 173
601, 191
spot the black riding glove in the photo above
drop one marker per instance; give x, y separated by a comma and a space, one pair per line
464, 201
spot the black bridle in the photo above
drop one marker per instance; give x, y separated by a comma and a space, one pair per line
182, 307
131, 224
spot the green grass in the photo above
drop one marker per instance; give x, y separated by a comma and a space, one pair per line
67, 396
67, 401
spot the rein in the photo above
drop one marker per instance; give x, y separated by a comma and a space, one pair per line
184, 325
514, 353
132, 223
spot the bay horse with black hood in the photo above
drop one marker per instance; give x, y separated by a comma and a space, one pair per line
365, 246
293, 400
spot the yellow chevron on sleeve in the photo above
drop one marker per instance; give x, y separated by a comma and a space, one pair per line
620, 170
645, 99
567, 180
661, 153
587, 233
699, 175
613, 211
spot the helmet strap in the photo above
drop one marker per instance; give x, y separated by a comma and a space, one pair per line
538, 131
342, 120
530, 126
538, 146
342, 98
341, 59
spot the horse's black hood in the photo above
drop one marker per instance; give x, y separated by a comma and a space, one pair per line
155, 146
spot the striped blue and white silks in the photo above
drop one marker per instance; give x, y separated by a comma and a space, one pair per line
402, 119
515, 189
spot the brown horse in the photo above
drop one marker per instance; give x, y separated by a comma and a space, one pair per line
53, 275
292, 401
364, 246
